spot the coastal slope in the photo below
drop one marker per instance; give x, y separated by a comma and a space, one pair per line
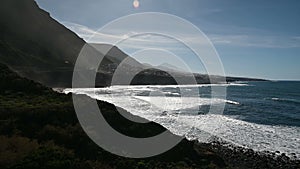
43, 128
38, 47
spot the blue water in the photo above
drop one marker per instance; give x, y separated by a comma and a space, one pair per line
263, 116
271, 103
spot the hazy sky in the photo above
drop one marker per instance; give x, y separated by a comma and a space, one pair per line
253, 38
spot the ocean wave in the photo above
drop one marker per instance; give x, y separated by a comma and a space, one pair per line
203, 128
232, 102
285, 100
240, 133
172, 93
148, 87
179, 103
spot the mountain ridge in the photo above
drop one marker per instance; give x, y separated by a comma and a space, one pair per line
40, 48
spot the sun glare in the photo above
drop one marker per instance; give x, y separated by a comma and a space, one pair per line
136, 3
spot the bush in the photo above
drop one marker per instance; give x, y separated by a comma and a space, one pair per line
49, 156
15, 148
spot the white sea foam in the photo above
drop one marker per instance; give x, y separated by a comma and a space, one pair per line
136, 87
285, 100
232, 102
164, 110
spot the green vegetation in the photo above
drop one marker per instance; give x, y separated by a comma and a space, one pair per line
39, 129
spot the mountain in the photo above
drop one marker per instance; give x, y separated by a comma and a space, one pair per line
11, 81
165, 67
169, 67
39, 48
33, 44
114, 53
39, 129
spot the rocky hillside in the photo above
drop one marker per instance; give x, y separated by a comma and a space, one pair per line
37, 46
40, 48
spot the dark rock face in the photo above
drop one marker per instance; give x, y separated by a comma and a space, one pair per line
37, 46
40, 48
31, 30
34, 44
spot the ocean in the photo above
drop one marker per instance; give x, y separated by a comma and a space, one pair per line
263, 116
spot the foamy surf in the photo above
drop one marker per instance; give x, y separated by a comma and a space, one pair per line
165, 110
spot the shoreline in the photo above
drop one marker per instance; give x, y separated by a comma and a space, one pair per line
269, 150
232, 156
248, 158
242, 157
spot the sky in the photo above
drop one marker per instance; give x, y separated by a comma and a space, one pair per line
253, 38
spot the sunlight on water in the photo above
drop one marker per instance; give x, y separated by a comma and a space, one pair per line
182, 116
